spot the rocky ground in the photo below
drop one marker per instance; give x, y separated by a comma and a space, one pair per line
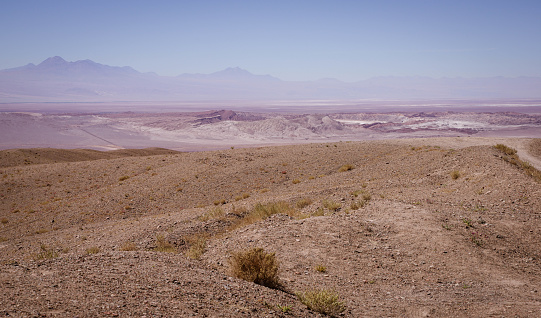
408, 228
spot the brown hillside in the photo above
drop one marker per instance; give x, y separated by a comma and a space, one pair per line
19, 157
396, 228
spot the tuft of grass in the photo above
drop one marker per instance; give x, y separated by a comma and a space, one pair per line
213, 213
302, 203
163, 246
345, 168
241, 197
331, 205
123, 178
320, 268
128, 246
220, 202
284, 308
93, 250
467, 222
46, 253
323, 301
198, 244
4, 221
295, 181
357, 205
455, 174
256, 265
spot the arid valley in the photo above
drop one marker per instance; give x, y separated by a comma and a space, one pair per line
413, 213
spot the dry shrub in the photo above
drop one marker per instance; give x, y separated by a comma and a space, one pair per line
46, 253
128, 246
213, 213
163, 246
256, 265
302, 203
323, 301
331, 205
510, 155
93, 250
198, 244
455, 174
357, 205
345, 168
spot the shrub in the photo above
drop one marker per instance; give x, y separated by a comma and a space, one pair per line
256, 265
357, 205
295, 181
123, 178
320, 268
323, 301
331, 205
213, 213
163, 246
198, 244
46, 253
93, 250
302, 203
128, 246
455, 174
345, 168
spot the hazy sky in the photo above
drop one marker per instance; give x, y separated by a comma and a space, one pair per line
292, 40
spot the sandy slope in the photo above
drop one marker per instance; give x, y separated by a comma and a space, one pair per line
425, 244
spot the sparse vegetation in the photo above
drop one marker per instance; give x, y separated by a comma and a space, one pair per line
256, 265
93, 250
355, 205
320, 268
302, 203
4, 220
220, 202
284, 308
510, 155
295, 181
163, 246
331, 205
46, 253
198, 244
213, 213
345, 168
455, 174
323, 301
128, 246
123, 178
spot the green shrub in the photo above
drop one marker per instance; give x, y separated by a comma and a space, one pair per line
256, 265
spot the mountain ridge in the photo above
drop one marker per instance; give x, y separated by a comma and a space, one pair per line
56, 79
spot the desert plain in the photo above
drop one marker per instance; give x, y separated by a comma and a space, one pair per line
400, 213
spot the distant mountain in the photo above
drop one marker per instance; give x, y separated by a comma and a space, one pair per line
56, 79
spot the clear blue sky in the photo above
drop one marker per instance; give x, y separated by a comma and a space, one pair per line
292, 40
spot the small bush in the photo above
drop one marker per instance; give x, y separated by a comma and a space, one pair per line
345, 168
320, 268
93, 250
323, 301
256, 265
357, 205
163, 246
123, 178
213, 213
218, 202
455, 174
295, 181
302, 203
198, 244
331, 205
128, 246
4, 220
46, 253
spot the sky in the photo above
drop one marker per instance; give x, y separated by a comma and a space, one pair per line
293, 40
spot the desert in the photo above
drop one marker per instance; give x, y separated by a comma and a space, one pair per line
411, 227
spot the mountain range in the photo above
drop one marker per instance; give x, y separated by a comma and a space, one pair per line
57, 80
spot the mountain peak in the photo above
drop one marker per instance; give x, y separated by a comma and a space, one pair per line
55, 60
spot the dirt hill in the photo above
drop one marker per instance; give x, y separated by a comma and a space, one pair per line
408, 228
